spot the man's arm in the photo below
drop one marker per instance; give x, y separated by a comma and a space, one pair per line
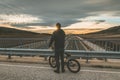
52, 39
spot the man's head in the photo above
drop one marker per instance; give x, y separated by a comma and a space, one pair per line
58, 25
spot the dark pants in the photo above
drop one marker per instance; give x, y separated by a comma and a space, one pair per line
59, 55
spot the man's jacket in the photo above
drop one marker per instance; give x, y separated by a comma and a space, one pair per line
58, 37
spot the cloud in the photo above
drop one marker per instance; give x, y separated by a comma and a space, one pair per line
64, 11
107, 18
90, 25
19, 19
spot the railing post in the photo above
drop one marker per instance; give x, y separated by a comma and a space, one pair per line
9, 56
105, 59
87, 58
45, 58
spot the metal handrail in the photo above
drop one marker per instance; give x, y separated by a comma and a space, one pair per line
49, 52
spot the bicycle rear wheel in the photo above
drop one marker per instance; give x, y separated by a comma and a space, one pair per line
73, 65
52, 61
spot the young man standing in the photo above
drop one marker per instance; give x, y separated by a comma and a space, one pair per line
58, 37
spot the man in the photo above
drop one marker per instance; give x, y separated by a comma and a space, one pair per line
58, 37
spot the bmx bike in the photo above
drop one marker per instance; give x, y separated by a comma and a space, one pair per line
72, 64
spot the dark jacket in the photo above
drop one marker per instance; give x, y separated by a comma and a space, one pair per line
58, 37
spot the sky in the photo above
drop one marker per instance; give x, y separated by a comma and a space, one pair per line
43, 14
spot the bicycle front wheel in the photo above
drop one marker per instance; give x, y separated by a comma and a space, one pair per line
73, 65
52, 61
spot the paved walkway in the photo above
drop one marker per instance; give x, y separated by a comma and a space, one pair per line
22, 71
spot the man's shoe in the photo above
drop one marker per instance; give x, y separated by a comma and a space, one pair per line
56, 71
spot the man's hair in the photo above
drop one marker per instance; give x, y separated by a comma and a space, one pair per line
58, 25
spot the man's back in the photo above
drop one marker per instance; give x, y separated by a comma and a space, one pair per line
59, 38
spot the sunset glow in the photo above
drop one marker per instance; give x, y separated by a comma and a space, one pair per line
75, 16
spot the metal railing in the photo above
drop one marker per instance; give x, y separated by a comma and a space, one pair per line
79, 47
107, 44
49, 52
75, 43
29, 43
78, 43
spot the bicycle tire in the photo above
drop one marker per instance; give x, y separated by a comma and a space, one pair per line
69, 64
51, 61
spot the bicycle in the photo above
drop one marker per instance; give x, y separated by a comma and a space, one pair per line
72, 64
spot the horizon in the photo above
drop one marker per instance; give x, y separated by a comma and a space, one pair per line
50, 30
67, 30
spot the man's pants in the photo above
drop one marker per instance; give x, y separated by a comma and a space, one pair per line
59, 57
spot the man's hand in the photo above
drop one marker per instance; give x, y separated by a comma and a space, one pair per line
52, 47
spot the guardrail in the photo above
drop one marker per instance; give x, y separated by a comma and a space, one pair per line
30, 43
77, 47
48, 52
94, 44
107, 44
71, 44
